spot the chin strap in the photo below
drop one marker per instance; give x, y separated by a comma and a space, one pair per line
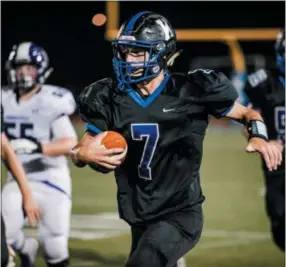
46, 75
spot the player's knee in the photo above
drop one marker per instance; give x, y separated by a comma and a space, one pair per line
56, 249
11, 233
15, 239
147, 256
13, 230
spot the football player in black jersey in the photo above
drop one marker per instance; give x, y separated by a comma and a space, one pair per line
163, 117
265, 90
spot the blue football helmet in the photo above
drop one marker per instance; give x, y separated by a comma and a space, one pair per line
280, 51
31, 54
149, 32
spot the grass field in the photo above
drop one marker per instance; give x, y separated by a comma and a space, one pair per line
236, 231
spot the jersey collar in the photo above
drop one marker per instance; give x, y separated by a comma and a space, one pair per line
144, 103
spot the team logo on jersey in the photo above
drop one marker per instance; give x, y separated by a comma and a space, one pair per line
168, 110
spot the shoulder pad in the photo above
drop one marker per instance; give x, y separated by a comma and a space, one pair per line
257, 78
206, 78
6, 92
94, 98
96, 93
200, 72
58, 92
61, 99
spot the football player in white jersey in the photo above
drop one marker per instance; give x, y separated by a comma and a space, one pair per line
36, 117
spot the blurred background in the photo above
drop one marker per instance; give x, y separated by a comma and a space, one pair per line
233, 37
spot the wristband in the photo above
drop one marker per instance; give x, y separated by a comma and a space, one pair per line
257, 128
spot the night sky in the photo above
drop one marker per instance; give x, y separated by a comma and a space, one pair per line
79, 53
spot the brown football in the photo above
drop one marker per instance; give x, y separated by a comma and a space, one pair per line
114, 140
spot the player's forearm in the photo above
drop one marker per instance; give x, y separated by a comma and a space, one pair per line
251, 119
243, 114
252, 115
59, 147
15, 167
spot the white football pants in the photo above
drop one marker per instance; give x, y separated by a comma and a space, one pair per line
54, 225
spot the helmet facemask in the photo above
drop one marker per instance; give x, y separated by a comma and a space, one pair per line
134, 72
25, 81
32, 56
151, 34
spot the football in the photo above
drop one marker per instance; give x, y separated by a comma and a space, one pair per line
114, 140
110, 139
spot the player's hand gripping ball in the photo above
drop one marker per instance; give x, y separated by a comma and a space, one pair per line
109, 140
114, 140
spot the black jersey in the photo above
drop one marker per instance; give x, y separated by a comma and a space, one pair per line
266, 91
165, 134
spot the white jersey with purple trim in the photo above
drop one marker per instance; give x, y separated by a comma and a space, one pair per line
45, 117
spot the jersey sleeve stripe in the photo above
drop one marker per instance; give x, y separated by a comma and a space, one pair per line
92, 128
226, 111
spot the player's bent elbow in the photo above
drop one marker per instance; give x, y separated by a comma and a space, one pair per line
96, 167
78, 163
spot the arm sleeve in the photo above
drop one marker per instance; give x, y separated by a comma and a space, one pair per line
218, 93
63, 128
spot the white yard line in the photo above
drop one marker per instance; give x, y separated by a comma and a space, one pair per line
224, 243
106, 225
236, 234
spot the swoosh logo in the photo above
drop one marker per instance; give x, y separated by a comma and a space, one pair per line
168, 110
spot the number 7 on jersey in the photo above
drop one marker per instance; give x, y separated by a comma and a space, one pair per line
150, 133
